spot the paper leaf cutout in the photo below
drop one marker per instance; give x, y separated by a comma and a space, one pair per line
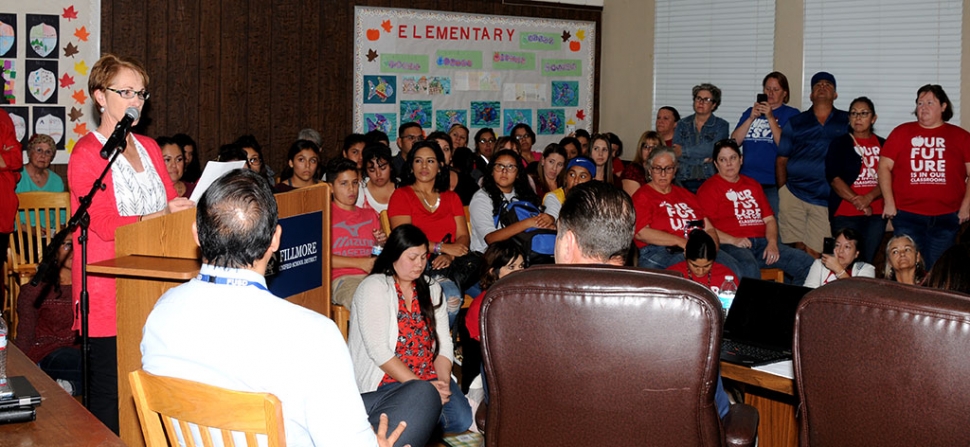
570, 122
566, 36
386, 25
75, 114
82, 34
581, 114
41, 83
67, 80
70, 50
371, 55
81, 128
42, 39
70, 145
581, 34
81, 68
79, 97
69, 13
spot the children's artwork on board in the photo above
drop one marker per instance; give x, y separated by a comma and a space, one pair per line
515, 116
565, 93
486, 113
417, 111
42, 35
384, 122
551, 121
444, 119
380, 90
8, 35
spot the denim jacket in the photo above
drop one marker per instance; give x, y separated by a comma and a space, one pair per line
696, 146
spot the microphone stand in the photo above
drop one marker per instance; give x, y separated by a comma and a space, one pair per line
80, 219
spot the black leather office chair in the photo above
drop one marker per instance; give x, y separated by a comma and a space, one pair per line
597, 355
879, 363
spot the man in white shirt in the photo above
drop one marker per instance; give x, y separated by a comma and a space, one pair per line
224, 328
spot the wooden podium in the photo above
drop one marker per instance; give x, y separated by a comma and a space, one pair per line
158, 254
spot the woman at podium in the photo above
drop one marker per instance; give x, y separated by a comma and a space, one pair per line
136, 188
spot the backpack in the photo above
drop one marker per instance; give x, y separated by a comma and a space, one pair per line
538, 245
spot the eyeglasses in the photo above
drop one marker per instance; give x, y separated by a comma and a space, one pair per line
411, 138
487, 141
255, 161
703, 99
859, 114
647, 146
506, 168
663, 170
41, 151
519, 137
130, 94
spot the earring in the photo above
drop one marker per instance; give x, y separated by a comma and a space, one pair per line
101, 109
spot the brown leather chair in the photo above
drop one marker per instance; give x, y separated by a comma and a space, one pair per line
879, 363
599, 355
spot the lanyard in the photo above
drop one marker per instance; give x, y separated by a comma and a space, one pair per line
230, 281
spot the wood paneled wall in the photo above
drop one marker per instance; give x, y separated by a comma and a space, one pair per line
223, 68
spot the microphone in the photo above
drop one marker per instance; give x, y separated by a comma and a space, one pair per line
120, 134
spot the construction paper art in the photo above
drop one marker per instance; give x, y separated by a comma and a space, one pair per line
9, 73
384, 122
50, 125
486, 113
444, 119
19, 126
69, 13
565, 93
551, 121
8, 35
417, 111
516, 116
380, 89
42, 35
41, 84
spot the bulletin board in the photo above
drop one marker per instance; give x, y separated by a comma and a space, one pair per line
442, 68
47, 48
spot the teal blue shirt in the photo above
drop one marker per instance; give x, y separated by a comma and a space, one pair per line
54, 184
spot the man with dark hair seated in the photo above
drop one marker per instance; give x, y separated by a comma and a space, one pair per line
225, 328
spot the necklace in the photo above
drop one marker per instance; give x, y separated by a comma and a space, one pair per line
424, 198
690, 276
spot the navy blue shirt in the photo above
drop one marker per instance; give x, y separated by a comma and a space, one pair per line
806, 142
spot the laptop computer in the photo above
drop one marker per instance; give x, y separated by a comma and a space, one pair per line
761, 323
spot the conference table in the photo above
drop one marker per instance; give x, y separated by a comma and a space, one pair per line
774, 397
61, 420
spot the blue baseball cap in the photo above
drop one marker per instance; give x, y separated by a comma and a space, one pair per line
823, 76
583, 162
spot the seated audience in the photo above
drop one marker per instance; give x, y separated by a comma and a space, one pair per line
851, 165
378, 178
635, 173
174, 156
665, 124
424, 201
950, 271
904, 263
665, 215
408, 134
459, 135
45, 316
38, 177
616, 150
745, 222
601, 152
377, 137
844, 263
504, 181
573, 147
353, 148
303, 164
582, 135
526, 137
254, 158
354, 232
193, 163
399, 328
232, 152
458, 182
579, 170
484, 146
225, 329
545, 172
311, 135
699, 265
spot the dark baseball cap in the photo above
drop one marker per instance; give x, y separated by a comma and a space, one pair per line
823, 76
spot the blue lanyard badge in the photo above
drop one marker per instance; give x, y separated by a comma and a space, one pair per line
230, 281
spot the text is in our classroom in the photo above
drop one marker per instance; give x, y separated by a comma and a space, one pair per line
455, 33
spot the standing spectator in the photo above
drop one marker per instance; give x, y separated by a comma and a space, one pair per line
695, 135
759, 131
667, 118
923, 175
11, 160
850, 167
803, 193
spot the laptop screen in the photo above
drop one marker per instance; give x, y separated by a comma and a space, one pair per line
763, 314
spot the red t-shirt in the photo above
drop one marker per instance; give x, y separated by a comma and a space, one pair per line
669, 212
352, 233
738, 209
868, 149
618, 167
471, 317
714, 278
435, 225
929, 170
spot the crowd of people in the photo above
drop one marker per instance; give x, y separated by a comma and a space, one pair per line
810, 193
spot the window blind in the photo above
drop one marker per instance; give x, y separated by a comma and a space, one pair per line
727, 43
886, 50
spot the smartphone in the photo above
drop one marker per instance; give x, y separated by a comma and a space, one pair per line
761, 98
828, 246
570, 129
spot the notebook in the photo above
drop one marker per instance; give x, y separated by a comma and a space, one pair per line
761, 323
24, 394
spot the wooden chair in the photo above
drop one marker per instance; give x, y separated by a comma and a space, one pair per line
341, 315
385, 223
40, 216
162, 400
773, 274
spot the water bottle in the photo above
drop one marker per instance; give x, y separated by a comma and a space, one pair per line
727, 292
3, 351
378, 246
